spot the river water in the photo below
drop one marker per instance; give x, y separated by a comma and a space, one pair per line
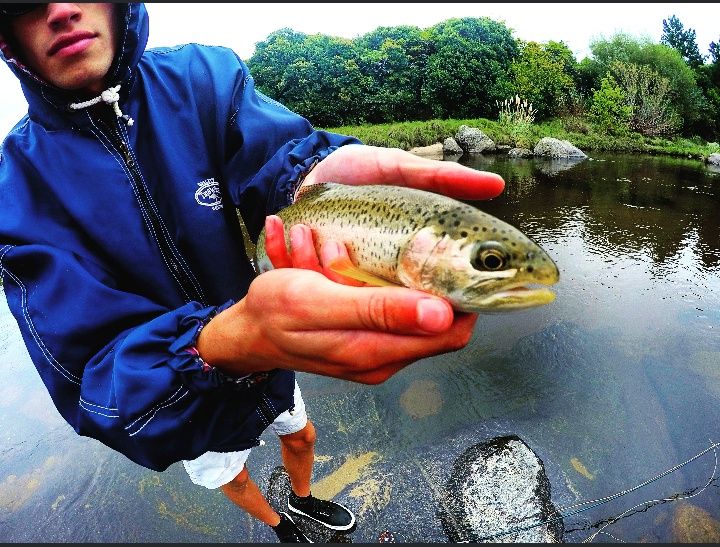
615, 386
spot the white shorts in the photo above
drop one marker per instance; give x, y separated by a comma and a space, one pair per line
213, 469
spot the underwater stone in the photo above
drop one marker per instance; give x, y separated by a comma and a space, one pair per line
499, 486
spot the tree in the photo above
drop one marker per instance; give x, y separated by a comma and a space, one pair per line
683, 89
609, 108
543, 74
675, 36
316, 75
468, 69
648, 95
394, 60
271, 58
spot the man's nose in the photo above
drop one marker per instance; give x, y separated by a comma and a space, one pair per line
59, 15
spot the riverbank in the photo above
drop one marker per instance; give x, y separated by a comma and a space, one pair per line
417, 135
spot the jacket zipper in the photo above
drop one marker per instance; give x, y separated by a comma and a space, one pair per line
181, 273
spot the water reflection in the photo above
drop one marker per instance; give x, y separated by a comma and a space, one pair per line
611, 384
650, 205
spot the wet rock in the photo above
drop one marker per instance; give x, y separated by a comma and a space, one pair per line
474, 141
556, 148
714, 159
433, 151
520, 153
496, 487
450, 147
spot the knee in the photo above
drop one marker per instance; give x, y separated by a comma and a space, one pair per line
240, 482
302, 440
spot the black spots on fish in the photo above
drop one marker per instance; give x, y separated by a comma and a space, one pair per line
530, 269
463, 234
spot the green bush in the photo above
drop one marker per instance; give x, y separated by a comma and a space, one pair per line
609, 110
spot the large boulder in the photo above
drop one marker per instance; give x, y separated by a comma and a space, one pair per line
474, 141
551, 147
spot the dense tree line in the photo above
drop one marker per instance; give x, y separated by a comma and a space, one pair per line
466, 67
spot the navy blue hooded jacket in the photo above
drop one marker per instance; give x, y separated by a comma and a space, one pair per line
117, 242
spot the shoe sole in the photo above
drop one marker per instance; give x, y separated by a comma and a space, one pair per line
347, 528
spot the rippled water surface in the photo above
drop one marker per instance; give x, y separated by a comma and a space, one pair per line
611, 385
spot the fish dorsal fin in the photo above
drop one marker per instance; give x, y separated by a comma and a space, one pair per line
343, 266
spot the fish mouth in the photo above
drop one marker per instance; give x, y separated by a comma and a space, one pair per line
514, 297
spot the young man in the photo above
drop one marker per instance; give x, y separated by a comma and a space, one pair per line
123, 261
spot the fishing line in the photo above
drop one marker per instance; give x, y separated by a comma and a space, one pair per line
574, 509
672, 498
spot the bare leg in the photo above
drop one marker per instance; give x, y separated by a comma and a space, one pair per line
244, 493
298, 451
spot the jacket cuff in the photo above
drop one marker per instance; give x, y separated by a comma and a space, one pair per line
301, 170
196, 373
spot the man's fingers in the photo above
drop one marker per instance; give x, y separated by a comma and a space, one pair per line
385, 309
302, 252
302, 248
376, 356
275, 242
358, 164
452, 179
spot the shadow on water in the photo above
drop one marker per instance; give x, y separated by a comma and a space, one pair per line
613, 383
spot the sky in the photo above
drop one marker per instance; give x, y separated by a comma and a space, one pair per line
241, 25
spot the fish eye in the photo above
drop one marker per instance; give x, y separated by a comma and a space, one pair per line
490, 256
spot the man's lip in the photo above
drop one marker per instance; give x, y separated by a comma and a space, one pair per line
69, 40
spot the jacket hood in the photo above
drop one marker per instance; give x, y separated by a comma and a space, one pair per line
45, 99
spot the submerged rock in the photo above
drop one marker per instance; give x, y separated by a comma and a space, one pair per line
693, 524
500, 486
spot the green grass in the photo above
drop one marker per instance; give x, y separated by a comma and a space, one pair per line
407, 135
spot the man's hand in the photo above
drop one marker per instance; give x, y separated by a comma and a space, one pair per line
305, 317
299, 319
361, 164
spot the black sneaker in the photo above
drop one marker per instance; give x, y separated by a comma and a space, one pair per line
328, 513
288, 532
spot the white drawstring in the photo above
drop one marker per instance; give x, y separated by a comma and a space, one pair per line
109, 96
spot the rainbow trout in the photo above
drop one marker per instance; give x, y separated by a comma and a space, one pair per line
418, 239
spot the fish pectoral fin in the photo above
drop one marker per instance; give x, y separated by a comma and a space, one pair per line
344, 267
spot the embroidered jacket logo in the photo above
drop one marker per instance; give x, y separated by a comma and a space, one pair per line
208, 194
